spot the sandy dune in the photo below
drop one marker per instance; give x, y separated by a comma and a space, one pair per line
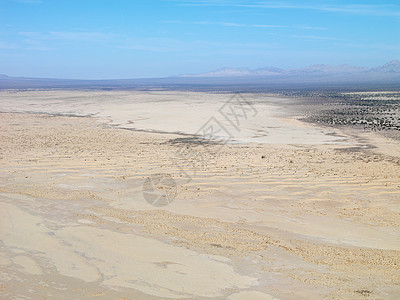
285, 210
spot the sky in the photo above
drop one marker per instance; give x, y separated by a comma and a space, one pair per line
112, 39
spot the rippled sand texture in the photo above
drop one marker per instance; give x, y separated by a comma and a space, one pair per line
257, 221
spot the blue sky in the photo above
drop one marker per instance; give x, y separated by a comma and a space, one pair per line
98, 39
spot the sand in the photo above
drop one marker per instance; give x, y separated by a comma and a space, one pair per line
285, 210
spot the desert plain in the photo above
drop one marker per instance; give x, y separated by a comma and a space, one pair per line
192, 195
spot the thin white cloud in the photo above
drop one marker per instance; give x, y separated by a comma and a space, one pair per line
182, 46
79, 36
373, 10
236, 45
315, 37
227, 24
30, 1
371, 46
312, 28
153, 44
30, 34
360, 9
249, 25
47, 41
148, 48
33, 37
31, 42
234, 24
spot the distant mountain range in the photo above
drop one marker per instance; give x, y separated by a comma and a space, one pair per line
231, 79
392, 67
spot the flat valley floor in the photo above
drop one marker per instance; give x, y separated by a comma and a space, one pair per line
283, 210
